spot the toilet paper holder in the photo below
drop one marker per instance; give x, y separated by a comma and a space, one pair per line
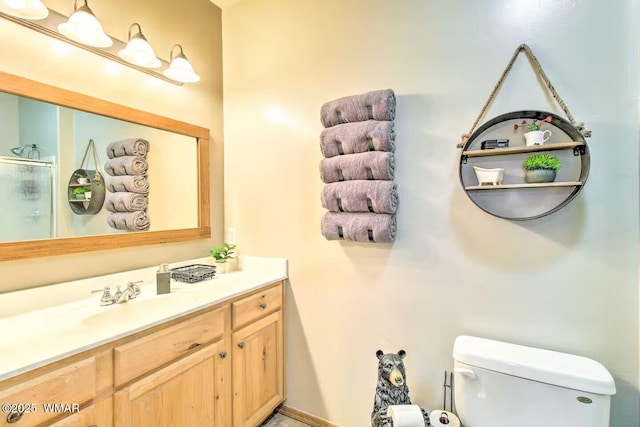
448, 385
444, 417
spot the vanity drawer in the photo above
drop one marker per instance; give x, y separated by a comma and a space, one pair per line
147, 353
256, 306
73, 384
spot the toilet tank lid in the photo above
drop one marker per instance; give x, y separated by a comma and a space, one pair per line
551, 367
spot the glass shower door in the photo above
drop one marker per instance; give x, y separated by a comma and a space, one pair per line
26, 199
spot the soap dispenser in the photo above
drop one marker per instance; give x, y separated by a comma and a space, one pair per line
163, 279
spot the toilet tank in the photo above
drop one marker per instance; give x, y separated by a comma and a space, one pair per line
497, 384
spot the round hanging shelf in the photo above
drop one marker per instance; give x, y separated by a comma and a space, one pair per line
95, 184
514, 198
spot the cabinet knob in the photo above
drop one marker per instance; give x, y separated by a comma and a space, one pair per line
241, 345
223, 355
14, 417
263, 306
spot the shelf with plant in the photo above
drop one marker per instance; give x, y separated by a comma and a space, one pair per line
540, 171
532, 149
529, 132
80, 194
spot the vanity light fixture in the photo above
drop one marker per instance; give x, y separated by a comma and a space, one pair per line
137, 53
138, 50
179, 68
83, 27
25, 9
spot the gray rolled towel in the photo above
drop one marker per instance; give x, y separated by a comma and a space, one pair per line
370, 165
125, 202
129, 221
359, 227
131, 183
126, 165
375, 105
361, 196
128, 147
359, 137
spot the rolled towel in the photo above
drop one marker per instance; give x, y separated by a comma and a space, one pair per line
359, 137
131, 183
361, 196
129, 221
375, 105
359, 227
125, 202
126, 165
370, 165
128, 147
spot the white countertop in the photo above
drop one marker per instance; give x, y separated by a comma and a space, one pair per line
42, 325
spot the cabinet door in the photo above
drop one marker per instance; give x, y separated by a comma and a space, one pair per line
190, 392
258, 370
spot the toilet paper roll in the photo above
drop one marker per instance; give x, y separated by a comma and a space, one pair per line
405, 415
436, 416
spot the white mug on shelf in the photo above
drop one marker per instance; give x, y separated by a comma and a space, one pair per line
536, 137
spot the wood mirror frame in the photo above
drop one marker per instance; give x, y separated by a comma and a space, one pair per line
21, 86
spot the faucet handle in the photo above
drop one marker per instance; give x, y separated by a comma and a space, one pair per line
106, 298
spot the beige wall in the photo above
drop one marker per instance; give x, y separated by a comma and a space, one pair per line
196, 25
566, 282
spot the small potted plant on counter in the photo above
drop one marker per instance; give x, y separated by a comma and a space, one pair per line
223, 254
541, 168
79, 192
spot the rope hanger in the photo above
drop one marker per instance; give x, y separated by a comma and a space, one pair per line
537, 68
91, 146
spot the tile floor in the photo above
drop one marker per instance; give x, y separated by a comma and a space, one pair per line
279, 420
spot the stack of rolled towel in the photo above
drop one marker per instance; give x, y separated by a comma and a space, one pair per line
128, 196
358, 168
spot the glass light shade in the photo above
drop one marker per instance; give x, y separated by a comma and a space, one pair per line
180, 69
139, 52
25, 9
83, 27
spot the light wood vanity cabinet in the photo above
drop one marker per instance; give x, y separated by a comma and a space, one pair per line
220, 367
258, 356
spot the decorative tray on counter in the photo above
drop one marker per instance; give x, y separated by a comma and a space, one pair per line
193, 273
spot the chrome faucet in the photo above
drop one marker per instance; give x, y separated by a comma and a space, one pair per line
131, 291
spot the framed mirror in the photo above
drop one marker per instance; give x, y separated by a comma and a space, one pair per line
45, 132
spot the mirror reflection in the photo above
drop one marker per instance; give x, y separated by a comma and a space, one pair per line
43, 144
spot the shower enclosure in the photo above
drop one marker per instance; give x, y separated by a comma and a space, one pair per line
26, 199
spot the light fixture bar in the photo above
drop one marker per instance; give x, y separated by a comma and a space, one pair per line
49, 27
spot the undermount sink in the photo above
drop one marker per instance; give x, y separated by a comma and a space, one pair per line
140, 308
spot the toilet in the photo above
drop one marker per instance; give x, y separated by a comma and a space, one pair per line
497, 384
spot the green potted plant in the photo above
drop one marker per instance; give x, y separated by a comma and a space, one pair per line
222, 254
79, 192
541, 168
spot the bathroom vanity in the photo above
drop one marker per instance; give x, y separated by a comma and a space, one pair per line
207, 354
